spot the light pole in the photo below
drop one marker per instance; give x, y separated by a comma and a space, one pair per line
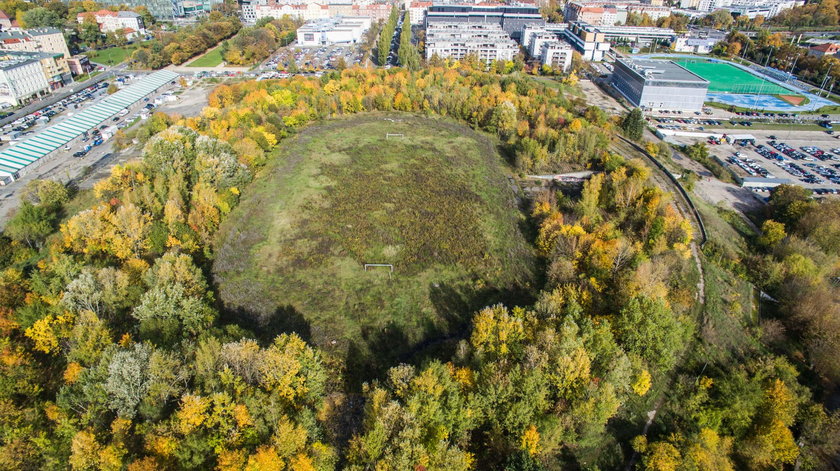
825, 79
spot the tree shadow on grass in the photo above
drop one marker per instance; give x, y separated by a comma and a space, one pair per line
379, 349
284, 320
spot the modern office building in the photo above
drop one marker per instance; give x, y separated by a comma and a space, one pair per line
659, 85
512, 19
339, 31
455, 40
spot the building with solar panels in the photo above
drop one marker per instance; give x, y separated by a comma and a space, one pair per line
27, 154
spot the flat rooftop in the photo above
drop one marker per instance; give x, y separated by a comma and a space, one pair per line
655, 70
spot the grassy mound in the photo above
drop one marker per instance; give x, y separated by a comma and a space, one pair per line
435, 203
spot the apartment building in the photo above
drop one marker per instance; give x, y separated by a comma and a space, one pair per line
417, 12
111, 21
557, 54
34, 40
455, 40
601, 13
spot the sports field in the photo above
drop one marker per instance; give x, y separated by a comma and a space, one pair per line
726, 78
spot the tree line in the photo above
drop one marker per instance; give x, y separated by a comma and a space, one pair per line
254, 44
179, 46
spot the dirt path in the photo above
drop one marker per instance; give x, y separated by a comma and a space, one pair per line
665, 182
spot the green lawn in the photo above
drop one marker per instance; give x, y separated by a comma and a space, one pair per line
436, 204
730, 79
112, 55
211, 59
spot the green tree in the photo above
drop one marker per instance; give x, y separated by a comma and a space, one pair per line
788, 203
41, 17
386, 36
772, 233
407, 54
634, 124
648, 328
31, 224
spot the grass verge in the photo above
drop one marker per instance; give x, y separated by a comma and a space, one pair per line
211, 59
112, 55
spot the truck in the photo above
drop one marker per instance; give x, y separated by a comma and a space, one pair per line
10, 136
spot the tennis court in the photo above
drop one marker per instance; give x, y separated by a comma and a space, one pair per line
726, 78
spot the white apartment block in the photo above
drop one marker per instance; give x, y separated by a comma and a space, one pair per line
338, 30
21, 79
536, 41
488, 41
557, 54
110, 21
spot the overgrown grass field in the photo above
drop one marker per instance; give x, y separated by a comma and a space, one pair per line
436, 204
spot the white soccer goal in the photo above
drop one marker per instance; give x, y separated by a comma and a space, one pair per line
393, 135
386, 265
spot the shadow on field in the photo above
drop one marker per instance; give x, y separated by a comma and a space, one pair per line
284, 320
381, 349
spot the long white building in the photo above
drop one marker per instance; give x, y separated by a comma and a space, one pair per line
488, 41
21, 79
338, 30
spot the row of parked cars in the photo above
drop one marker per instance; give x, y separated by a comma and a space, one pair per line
749, 165
827, 173
787, 150
71, 102
708, 122
767, 114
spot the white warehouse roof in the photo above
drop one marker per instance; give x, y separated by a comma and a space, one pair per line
28, 151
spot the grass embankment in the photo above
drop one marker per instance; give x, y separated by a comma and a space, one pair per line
436, 204
112, 55
211, 59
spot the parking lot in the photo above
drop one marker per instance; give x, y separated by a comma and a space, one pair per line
310, 59
807, 158
92, 152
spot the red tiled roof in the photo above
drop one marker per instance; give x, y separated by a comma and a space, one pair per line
3, 15
828, 48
